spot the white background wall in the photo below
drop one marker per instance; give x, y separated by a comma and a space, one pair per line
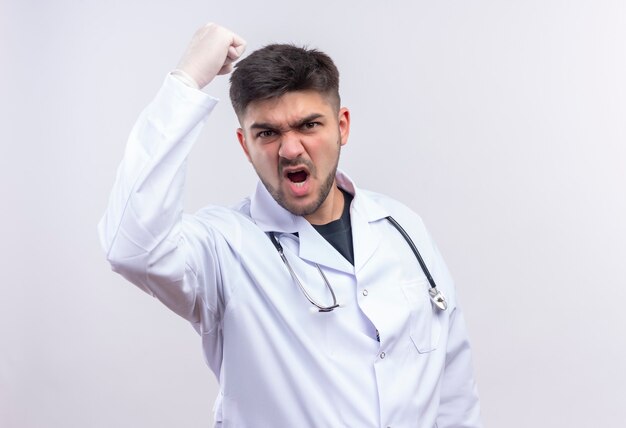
501, 122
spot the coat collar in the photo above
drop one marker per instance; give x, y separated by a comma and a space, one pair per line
271, 217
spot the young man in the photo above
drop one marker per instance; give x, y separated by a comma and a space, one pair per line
313, 307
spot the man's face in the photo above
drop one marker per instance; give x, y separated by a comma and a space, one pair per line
293, 142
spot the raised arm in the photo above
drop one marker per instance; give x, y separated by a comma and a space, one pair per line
212, 51
143, 232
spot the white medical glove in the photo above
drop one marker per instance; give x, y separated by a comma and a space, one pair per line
212, 51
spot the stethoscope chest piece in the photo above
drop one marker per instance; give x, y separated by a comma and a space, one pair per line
438, 298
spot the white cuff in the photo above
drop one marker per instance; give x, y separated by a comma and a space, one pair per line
185, 78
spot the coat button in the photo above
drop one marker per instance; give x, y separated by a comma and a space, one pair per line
365, 292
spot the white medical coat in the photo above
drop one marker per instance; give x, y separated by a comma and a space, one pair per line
280, 364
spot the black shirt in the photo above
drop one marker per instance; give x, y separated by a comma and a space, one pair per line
339, 232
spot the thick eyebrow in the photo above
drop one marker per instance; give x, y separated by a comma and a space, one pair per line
307, 119
298, 124
263, 125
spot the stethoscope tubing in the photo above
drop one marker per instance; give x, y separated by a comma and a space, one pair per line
418, 256
436, 296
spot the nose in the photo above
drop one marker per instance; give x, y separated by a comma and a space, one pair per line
290, 145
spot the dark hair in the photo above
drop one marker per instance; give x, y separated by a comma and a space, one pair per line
276, 69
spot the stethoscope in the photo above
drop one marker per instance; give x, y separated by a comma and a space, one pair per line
436, 296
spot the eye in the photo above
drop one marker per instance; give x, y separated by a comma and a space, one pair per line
268, 133
310, 125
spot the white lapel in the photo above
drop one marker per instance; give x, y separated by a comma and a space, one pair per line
363, 213
270, 216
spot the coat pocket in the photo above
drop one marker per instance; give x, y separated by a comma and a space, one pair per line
425, 325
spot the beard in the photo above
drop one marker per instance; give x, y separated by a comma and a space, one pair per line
326, 185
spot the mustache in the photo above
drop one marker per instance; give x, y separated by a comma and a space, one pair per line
299, 161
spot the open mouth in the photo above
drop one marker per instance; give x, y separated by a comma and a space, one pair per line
297, 176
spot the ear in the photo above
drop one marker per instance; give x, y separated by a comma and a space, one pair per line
344, 124
242, 142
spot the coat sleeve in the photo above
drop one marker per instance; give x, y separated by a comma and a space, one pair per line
459, 405
144, 233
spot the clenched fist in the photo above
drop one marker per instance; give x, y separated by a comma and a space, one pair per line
212, 51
